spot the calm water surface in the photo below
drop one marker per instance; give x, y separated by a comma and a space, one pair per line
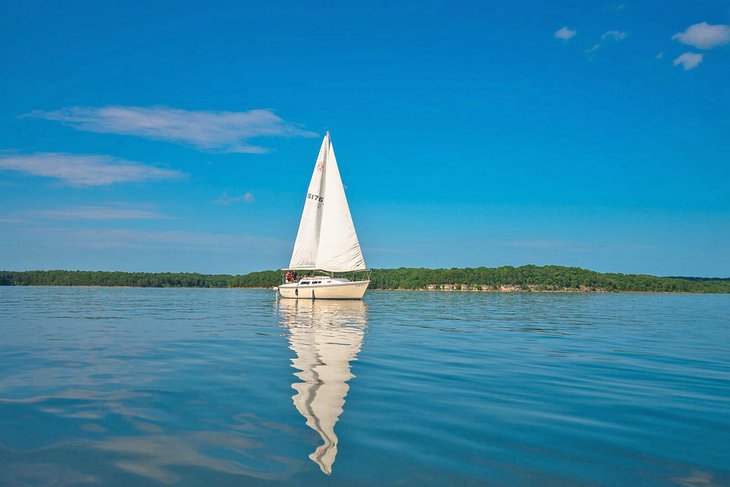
232, 387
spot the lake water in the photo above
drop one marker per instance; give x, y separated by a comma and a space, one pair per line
232, 387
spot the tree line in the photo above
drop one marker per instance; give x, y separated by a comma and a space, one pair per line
539, 278
524, 278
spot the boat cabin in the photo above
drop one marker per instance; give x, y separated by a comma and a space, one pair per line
305, 281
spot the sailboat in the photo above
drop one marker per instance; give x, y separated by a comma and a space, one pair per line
326, 246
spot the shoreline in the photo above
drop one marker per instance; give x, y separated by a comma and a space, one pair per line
543, 291
421, 290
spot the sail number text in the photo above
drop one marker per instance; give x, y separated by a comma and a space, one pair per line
316, 197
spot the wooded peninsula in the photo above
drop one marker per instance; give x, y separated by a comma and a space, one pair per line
528, 278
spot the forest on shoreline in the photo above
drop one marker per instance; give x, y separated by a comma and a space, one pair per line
495, 279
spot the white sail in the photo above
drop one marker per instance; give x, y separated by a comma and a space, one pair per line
327, 239
304, 256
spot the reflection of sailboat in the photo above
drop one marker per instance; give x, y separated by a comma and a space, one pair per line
326, 336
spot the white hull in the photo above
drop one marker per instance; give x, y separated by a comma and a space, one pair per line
334, 290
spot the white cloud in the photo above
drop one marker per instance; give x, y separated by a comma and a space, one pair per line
564, 33
85, 170
206, 130
616, 35
689, 60
704, 35
611, 35
104, 212
227, 200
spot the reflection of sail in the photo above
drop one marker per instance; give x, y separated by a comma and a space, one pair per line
326, 336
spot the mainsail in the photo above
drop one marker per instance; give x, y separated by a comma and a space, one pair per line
326, 239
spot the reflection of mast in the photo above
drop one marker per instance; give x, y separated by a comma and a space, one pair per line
326, 336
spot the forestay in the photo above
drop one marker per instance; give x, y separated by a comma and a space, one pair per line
326, 239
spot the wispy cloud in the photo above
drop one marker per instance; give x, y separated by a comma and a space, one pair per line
12, 220
616, 35
540, 244
229, 200
688, 60
568, 245
205, 130
141, 239
85, 170
608, 36
704, 35
104, 212
659, 55
564, 33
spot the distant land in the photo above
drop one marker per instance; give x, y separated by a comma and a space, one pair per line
528, 278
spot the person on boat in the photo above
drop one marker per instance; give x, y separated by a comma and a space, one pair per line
289, 277
294, 276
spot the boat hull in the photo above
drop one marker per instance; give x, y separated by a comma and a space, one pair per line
346, 290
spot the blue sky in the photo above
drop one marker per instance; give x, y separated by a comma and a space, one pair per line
181, 136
